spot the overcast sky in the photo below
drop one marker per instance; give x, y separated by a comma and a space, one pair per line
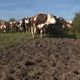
23, 8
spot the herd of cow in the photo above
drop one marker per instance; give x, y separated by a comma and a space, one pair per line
34, 24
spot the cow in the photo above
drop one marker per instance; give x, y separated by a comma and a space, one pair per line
8, 29
69, 24
23, 24
59, 27
40, 22
19, 25
26, 24
64, 23
13, 26
3, 26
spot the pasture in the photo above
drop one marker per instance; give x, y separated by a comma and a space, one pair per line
10, 39
13, 38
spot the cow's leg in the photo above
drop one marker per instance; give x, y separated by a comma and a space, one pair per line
4, 30
44, 30
41, 27
44, 33
32, 32
41, 33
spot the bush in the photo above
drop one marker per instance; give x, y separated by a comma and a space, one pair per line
59, 31
54, 30
12, 19
76, 22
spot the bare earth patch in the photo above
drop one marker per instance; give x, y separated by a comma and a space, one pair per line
41, 59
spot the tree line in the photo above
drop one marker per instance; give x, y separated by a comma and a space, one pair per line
76, 22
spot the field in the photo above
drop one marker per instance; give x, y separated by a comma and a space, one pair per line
49, 58
8, 39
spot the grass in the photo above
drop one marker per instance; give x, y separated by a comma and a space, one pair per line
74, 34
77, 35
7, 39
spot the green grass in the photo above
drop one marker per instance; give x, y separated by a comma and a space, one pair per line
77, 35
8, 39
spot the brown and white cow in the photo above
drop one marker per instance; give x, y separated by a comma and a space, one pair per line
3, 26
64, 23
24, 24
69, 24
13, 26
19, 25
39, 21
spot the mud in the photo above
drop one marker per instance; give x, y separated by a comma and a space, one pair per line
41, 59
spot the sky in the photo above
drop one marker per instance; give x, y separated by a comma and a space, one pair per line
22, 8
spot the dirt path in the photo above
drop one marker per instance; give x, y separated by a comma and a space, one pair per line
41, 59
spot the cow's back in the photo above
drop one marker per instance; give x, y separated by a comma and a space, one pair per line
39, 19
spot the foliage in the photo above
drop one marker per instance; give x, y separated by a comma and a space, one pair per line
12, 19
76, 22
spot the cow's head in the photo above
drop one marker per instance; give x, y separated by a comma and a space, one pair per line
69, 25
51, 19
27, 20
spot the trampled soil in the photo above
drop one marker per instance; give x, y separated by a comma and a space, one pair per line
41, 59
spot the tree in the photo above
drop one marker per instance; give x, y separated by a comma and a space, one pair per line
76, 22
12, 19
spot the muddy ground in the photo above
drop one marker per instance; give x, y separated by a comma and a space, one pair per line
41, 59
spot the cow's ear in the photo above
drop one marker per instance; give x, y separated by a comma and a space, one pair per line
48, 13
